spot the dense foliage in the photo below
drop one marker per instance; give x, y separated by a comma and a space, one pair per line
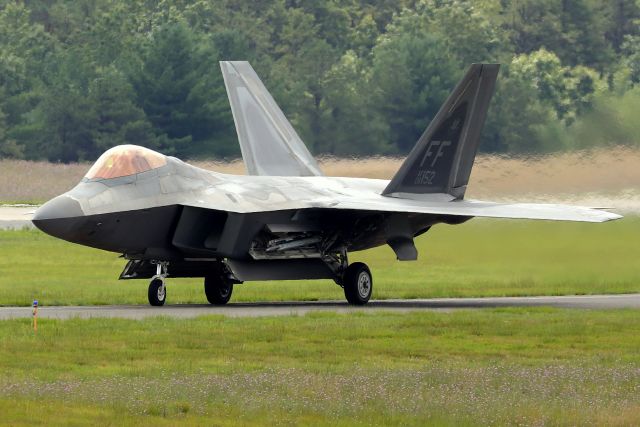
354, 76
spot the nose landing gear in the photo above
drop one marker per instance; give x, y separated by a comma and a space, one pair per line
157, 290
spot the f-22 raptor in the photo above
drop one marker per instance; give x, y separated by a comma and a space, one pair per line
284, 220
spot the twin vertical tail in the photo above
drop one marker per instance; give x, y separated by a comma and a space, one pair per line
442, 159
269, 144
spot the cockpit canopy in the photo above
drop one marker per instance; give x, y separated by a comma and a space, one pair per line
125, 160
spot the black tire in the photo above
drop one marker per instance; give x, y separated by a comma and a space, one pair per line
358, 283
218, 290
157, 293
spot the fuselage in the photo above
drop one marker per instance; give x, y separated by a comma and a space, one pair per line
179, 210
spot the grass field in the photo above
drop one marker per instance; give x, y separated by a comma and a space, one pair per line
478, 258
517, 366
514, 366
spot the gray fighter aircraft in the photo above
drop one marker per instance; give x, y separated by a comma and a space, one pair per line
284, 220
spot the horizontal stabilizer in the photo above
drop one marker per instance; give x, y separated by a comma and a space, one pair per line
472, 208
269, 144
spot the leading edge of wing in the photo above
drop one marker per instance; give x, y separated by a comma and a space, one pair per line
553, 212
269, 144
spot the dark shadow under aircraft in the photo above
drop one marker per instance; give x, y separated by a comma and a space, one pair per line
284, 220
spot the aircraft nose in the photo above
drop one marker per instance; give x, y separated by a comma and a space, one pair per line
57, 216
57, 208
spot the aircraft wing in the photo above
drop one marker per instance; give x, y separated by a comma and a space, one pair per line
248, 198
472, 208
269, 144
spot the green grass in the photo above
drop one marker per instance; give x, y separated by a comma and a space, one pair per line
479, 258
526, 366
317, 343
474, 367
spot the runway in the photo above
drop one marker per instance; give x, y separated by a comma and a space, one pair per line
301, 308
16, 216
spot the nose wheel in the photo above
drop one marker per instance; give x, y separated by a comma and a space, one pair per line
157, 290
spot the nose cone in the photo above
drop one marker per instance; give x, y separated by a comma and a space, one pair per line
58, 216
58, 208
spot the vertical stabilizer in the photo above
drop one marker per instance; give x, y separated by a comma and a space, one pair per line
442, 158
269, 144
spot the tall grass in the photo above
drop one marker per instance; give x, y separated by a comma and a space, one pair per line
604, 170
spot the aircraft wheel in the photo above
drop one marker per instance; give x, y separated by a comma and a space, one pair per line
358, 283
217, 289
157, 292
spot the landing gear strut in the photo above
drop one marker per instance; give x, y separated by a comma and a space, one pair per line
354, 278
157, 290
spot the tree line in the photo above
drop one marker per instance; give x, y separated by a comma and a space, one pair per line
355, 77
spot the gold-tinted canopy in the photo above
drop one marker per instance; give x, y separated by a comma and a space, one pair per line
125, 160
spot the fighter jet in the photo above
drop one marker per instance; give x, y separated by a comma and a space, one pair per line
284, 220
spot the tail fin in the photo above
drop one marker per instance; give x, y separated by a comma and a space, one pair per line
269, 144
442, 158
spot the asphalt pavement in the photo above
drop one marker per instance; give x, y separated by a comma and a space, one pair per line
16, 216
301, 308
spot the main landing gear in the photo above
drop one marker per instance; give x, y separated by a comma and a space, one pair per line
355, 279
357, 283
218, 289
